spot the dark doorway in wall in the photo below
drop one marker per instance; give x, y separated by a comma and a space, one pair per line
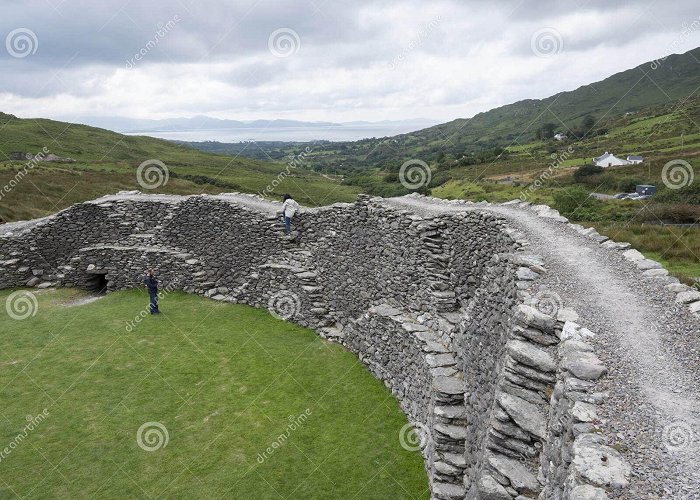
96, 283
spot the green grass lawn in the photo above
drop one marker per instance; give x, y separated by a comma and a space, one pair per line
225, 381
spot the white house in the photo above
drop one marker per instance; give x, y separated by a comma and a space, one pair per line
609, 160
560, 136
634, 160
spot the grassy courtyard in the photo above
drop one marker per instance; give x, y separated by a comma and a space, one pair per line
207, 400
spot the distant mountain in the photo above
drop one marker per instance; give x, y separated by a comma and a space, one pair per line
202, 122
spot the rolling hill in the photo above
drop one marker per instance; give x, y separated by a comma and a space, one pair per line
629, 91
675, 79
106, 162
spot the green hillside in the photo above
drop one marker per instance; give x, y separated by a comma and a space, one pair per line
486, 134
106, 162
629, 91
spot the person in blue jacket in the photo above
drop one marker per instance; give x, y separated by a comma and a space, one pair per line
152, 284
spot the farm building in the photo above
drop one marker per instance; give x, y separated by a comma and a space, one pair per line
609, 160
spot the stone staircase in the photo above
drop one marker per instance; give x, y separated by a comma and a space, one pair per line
293, 269
302, 275
436, 250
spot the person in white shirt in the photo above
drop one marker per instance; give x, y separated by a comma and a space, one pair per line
289, 209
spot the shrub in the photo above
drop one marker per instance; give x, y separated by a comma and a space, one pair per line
203, 180
440, 178
678, 213
587, 171
577, 204
686, 195
598, 181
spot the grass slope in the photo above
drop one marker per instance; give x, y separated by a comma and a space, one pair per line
514, 124
677, 78
107, 161
223, 379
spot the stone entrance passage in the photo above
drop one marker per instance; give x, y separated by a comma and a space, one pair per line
96, 283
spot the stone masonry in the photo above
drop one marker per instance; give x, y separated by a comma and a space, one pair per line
501, 394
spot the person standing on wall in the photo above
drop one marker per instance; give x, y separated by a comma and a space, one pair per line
289, 209
152, 284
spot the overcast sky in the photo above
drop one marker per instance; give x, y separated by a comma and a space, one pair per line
320, 59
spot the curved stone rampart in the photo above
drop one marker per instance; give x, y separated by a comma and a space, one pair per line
432, 305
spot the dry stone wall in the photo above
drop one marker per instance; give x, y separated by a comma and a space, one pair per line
500, 396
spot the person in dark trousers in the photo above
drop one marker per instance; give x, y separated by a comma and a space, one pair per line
152, 284
289, 209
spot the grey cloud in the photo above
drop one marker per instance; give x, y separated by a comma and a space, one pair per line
38, 81
386, 47
111, 31
251, 75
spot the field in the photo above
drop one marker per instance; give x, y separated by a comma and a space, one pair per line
223, 382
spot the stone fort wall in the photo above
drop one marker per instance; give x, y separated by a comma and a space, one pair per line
429, 304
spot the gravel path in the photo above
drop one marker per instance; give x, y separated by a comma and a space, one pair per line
650, 345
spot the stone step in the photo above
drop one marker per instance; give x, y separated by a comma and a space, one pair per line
448, 491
